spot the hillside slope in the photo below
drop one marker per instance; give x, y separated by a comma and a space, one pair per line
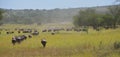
29, 16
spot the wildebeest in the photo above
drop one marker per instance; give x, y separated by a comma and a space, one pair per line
43, 42
27, 31
29, 36
49, 30
35, 33
44, 30
13, 40
18, 31
53, 33
23, 37
77, 29
69, 29
18, 39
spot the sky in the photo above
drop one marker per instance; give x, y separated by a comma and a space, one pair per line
51, 4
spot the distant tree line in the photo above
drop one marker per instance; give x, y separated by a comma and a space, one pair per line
90, 17
39, 16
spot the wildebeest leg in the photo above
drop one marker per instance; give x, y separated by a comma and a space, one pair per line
44, 44
19, 41
13, 42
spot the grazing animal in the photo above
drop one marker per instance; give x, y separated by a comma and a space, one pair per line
44, 30
29, 36
78, 30
69, 29
49, 30
18, 39
23, 36
43, 42
18, 31
13, 40
26, 30
35, 33
53, 33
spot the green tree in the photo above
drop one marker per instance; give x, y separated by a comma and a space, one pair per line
108, 21
82, 19
96, 21
88, 17
114, 12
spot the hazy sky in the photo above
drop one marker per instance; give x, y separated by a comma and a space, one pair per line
51, 4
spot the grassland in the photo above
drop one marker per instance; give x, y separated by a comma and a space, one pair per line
62, 44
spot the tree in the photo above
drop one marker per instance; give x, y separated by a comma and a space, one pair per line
88, 17
114, 12
108, 21
82, 18
96, 21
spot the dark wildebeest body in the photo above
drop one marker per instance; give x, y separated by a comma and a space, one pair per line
18, 31
43, 42
27, 31
35, 33
44, 30
18, 39
49, 30
29, 36
78, 30
69, 29
53, 33
24, 37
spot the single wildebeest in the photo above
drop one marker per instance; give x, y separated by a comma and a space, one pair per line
35, 33
44, 30
53, 33
30, 36
43, 42
18, 31
27, 31
13, 40
49, 30
69, 29
24, 37
18, 39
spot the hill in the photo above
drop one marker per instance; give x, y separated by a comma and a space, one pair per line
30, 16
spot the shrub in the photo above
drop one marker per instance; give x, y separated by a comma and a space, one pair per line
116, 45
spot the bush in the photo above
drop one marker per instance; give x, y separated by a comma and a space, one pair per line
116, 45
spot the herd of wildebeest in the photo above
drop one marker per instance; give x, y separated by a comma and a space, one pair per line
35, 32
